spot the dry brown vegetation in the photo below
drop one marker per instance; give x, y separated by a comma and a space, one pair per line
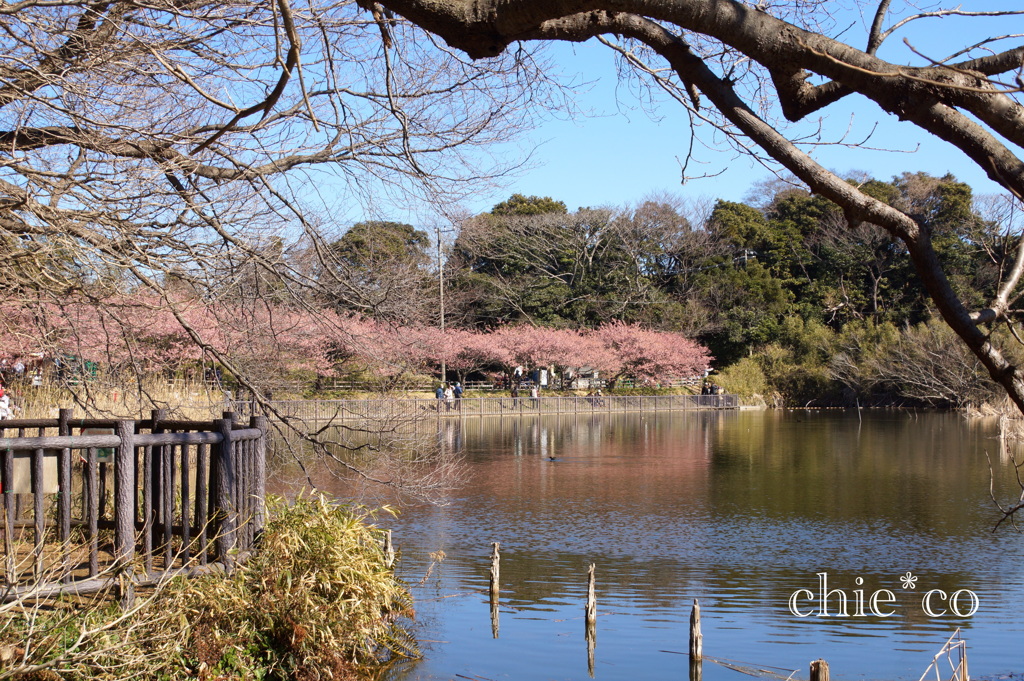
319, 600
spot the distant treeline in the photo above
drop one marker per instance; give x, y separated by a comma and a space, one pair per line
795, 302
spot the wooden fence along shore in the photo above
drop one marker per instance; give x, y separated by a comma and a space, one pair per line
90, 503
325, 411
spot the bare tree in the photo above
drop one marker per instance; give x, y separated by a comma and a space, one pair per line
143, 140
924, 364
176, 152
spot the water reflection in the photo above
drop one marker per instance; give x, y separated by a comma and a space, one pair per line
738, 509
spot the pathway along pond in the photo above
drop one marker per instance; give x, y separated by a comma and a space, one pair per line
737, 509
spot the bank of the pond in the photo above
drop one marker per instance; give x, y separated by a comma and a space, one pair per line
322, 412
318, 600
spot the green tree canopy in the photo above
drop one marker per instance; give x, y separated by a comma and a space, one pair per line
381, 270
517, 204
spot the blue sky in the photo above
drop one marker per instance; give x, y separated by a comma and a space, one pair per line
619, 155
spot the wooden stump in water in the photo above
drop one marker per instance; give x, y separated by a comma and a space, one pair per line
591, 611
389, 549
696, 638
819, 670
591, 637
495, 568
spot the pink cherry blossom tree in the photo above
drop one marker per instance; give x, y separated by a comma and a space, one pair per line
535, 347
460, 350
646, 355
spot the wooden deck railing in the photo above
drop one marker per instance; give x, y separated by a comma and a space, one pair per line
88, 502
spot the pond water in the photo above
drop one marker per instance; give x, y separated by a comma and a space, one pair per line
737, 509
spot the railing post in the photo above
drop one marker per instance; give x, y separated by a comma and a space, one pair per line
260, 482
156, 487
64, 417
224, 504
124, 510
7, 473
38, 509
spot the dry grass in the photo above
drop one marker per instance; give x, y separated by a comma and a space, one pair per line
1011, 421
319, 600
106, 399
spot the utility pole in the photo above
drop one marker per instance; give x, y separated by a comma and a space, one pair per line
440, 292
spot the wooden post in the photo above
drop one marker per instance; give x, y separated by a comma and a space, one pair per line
696, 643
495, 576
242, 458
495, 587
64, 417
260, 454
92, 509
389, 549
148, 510
38, 514
186, 493
696, 637
156, 489
10, 563
124, 510
167, 512
224, 506
819, 670
590, 620
202, 500
591, 610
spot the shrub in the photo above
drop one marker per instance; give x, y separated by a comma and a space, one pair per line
317, 600
744, 378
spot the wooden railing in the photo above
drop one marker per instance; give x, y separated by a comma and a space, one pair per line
321, 411
91, 502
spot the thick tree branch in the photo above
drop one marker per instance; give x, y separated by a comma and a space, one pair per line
486, 28
98, 23
875, 37
34, 138
994, 64
799, 98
